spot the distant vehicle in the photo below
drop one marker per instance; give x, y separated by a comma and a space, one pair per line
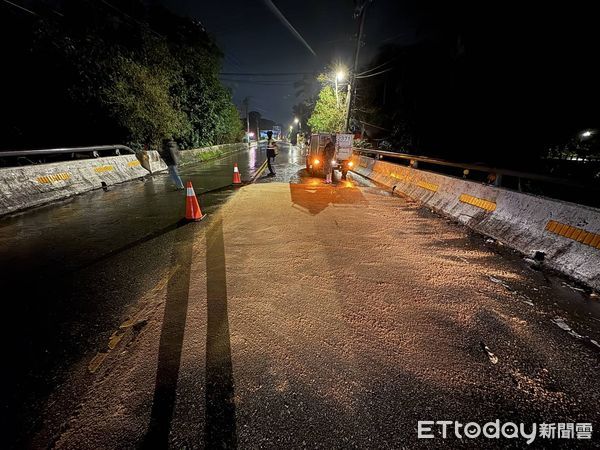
343, 154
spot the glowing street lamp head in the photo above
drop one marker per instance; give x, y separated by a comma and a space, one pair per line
340, 75
587, 133
296, 120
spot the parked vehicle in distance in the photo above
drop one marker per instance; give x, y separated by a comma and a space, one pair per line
343, 154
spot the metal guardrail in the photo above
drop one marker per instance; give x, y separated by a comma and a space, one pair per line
476, 167
56, 151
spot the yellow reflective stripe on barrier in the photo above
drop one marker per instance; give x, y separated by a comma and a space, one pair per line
588, 239
482, 203
103, 169
133, 163
54, 178
429, 186
552, 226
399, 176
574, 233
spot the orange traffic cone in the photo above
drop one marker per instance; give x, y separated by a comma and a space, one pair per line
192, 208
236, 175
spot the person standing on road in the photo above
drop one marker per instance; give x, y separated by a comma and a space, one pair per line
170, 155
271, 152
328, 155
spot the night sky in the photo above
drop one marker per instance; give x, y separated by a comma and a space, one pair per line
471, 79
529, 72
255, 40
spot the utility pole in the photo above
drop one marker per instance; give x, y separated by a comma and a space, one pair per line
362, 13
348, 95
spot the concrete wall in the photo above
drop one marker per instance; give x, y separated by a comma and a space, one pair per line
156, 164
28, 186
569, 234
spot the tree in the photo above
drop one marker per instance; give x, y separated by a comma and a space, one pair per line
140, 100
328, 116
132, 76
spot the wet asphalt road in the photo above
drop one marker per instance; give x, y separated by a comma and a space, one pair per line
70, 271
74, 271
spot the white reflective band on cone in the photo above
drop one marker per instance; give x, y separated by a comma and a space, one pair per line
235, 169
190, 192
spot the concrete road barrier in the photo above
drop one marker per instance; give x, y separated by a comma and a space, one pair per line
568, 234
29, 186
153, 162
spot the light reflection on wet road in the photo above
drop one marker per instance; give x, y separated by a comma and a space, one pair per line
71, 269
75, 231
91, 224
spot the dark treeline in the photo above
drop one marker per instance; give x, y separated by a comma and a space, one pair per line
88, 72
499, 83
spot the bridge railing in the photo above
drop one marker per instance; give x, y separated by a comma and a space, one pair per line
522, 181
94, 150
413, 161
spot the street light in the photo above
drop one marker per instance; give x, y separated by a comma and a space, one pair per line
339, 76
587, 133
297, 121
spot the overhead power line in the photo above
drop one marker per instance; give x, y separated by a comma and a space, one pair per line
45, 7
141, 24
374, 126
282, 74
375, 74
259, 83
396, 36
377, 67
289, 26
21, 7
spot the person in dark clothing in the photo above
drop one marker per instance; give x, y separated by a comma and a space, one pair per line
271, 152
328, 155
170, 155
